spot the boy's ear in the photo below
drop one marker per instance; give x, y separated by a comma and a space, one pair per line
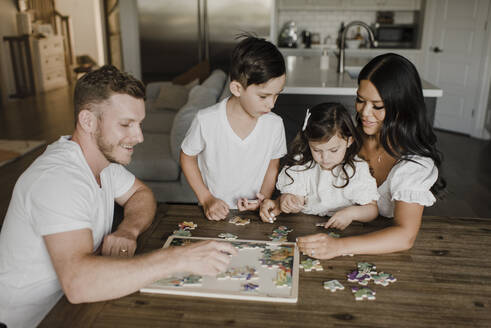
236, 88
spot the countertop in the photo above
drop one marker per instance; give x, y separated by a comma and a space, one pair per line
304, 76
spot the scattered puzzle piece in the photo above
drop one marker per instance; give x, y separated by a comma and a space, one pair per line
184, 233
310, 264
333, 285
333, 234
187, 225
356, 276
362, 293
250, 287
367, 268
383, 278
239, 221
228, 236
320, 224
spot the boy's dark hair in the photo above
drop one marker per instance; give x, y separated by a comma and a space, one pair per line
255, 61
97, 86
326, 120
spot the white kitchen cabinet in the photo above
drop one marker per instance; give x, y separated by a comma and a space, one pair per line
48, 60
309, 4
349, 5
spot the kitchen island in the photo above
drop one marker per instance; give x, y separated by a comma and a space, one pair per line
308, 85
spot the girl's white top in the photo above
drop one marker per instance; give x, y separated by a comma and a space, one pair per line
408, 181
318, 186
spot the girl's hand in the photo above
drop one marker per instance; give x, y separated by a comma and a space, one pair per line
341, 219
290, 203
269, 210
320, 246
244, 204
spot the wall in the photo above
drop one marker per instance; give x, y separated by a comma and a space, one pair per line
8, 27
87, 22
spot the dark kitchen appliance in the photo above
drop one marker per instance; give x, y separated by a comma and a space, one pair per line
396, 35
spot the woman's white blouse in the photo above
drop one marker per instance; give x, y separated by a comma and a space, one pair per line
318, 187
408, 181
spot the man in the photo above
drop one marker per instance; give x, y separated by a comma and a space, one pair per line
56, 236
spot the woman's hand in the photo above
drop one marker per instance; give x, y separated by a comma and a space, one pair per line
320, 246
290, 203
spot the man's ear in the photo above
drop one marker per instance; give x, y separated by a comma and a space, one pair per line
236, 88
87, 121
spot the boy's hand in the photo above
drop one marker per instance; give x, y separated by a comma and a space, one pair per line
269, 210
341, 219
290, 203
244, 204
215, 209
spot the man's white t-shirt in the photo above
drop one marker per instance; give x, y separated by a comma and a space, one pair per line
232, 167
57, 193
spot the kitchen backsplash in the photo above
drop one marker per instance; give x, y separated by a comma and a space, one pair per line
327, 22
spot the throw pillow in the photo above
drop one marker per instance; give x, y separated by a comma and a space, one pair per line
171, 96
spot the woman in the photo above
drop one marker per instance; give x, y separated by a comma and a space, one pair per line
399, 144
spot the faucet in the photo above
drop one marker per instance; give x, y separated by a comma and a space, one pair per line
371, 38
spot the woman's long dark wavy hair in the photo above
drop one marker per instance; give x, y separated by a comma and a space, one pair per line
406, 129
326, 120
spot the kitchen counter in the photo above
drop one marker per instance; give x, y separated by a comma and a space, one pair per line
304, 76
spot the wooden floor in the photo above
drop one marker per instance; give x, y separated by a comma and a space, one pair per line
467, 165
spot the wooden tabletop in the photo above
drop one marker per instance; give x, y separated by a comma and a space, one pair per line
444, 280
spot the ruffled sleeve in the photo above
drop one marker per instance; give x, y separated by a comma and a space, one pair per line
297, 186
362, 187
413, 180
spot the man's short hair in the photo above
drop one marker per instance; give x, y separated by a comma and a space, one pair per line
97, 86
255, 61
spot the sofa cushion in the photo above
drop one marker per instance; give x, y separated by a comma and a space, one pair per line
215, 82
158, 120
200, 97
152, 159
226, 90
173, 96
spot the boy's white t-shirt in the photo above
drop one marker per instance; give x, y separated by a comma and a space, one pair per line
318, 187
57, 193
231, 167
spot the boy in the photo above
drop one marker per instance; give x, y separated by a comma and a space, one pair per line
231, 151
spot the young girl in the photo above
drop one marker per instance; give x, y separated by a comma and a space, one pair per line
322, 175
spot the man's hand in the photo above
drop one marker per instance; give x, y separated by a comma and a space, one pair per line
244, 204
215, 209
290, 203
204, 258
119, 243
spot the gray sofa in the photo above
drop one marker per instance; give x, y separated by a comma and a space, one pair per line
156, 160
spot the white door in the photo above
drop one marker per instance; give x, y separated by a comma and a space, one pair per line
455, 61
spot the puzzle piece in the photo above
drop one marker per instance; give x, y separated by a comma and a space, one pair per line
283, 277
283, 229
249, 287
171, 281
383, 278
333, 285
239, 221
228, 236
278, 238
184, 233
180, 242
333, 234
187, 225
359, 277
275, 257
367, 268
320, 224
239, 273
311, 264
192, 281
362, 293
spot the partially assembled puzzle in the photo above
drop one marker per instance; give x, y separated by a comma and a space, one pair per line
262, 271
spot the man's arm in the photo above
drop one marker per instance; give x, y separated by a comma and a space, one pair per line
85, 277
139, 210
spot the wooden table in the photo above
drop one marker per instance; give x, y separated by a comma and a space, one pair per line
444, 280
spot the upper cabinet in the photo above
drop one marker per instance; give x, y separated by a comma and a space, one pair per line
349, 4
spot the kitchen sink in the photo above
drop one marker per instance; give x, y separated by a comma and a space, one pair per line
353, 71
